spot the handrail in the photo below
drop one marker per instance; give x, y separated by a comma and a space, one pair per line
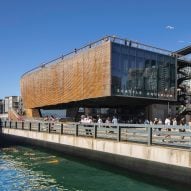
178, 136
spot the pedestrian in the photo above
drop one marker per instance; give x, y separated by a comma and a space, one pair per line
155, 121
167, 123
114, 120
174, 123
108, 120
159, 123
182, 123
99, 120
146, 122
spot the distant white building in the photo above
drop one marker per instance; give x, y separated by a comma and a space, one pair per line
12, 102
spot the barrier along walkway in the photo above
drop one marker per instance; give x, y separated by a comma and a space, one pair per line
178, 136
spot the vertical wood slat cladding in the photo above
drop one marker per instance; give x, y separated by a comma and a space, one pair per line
85, 75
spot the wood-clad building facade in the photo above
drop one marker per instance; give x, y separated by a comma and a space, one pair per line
83, 75
111, 72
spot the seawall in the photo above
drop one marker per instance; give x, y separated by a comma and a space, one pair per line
160, 161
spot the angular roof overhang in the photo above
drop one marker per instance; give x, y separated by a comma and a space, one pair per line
184, 51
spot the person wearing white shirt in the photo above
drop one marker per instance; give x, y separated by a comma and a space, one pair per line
167, 121
99, 120
114, 120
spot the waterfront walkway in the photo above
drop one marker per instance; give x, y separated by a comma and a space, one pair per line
177, 136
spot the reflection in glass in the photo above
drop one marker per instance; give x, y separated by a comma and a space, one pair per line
142, 73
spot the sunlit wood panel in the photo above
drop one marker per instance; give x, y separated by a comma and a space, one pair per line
85, 75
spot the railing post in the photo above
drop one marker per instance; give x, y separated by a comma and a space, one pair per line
49, 126
190, 136
76, 134
61, 130
118, 133
149, 131
15, 124
95, 131
22, 125
10, 124
38, 127
29, 126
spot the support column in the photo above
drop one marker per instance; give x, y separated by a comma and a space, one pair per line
33, 113
72, 113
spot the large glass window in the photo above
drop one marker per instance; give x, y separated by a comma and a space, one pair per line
142, 73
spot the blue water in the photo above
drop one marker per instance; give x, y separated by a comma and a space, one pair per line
26, 168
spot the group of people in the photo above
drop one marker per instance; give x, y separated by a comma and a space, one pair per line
157, 121
49, 118
90, 119
168, 121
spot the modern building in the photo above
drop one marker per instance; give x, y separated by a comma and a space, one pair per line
1, 106
11, 107
12, 102
113, 76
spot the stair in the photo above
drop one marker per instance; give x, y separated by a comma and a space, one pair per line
184, 96
13, 115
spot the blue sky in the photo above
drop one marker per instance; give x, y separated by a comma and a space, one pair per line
34, 31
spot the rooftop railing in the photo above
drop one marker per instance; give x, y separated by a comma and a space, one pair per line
115, 39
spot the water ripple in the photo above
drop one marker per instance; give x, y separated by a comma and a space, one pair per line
17, 175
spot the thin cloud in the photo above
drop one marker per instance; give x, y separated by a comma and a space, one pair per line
168, 27
181, 41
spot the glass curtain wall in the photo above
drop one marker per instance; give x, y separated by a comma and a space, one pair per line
142, 73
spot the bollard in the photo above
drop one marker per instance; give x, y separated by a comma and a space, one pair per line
30, 126
49, 127
76, 134
22, 125
190, 137
15, 124
61, 130
5, 124
95, 131
38, 127
10, 123
118, 133
149, 130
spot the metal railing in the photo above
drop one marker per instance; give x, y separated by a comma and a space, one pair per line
179, 136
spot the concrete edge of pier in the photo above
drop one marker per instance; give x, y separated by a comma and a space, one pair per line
160, 161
